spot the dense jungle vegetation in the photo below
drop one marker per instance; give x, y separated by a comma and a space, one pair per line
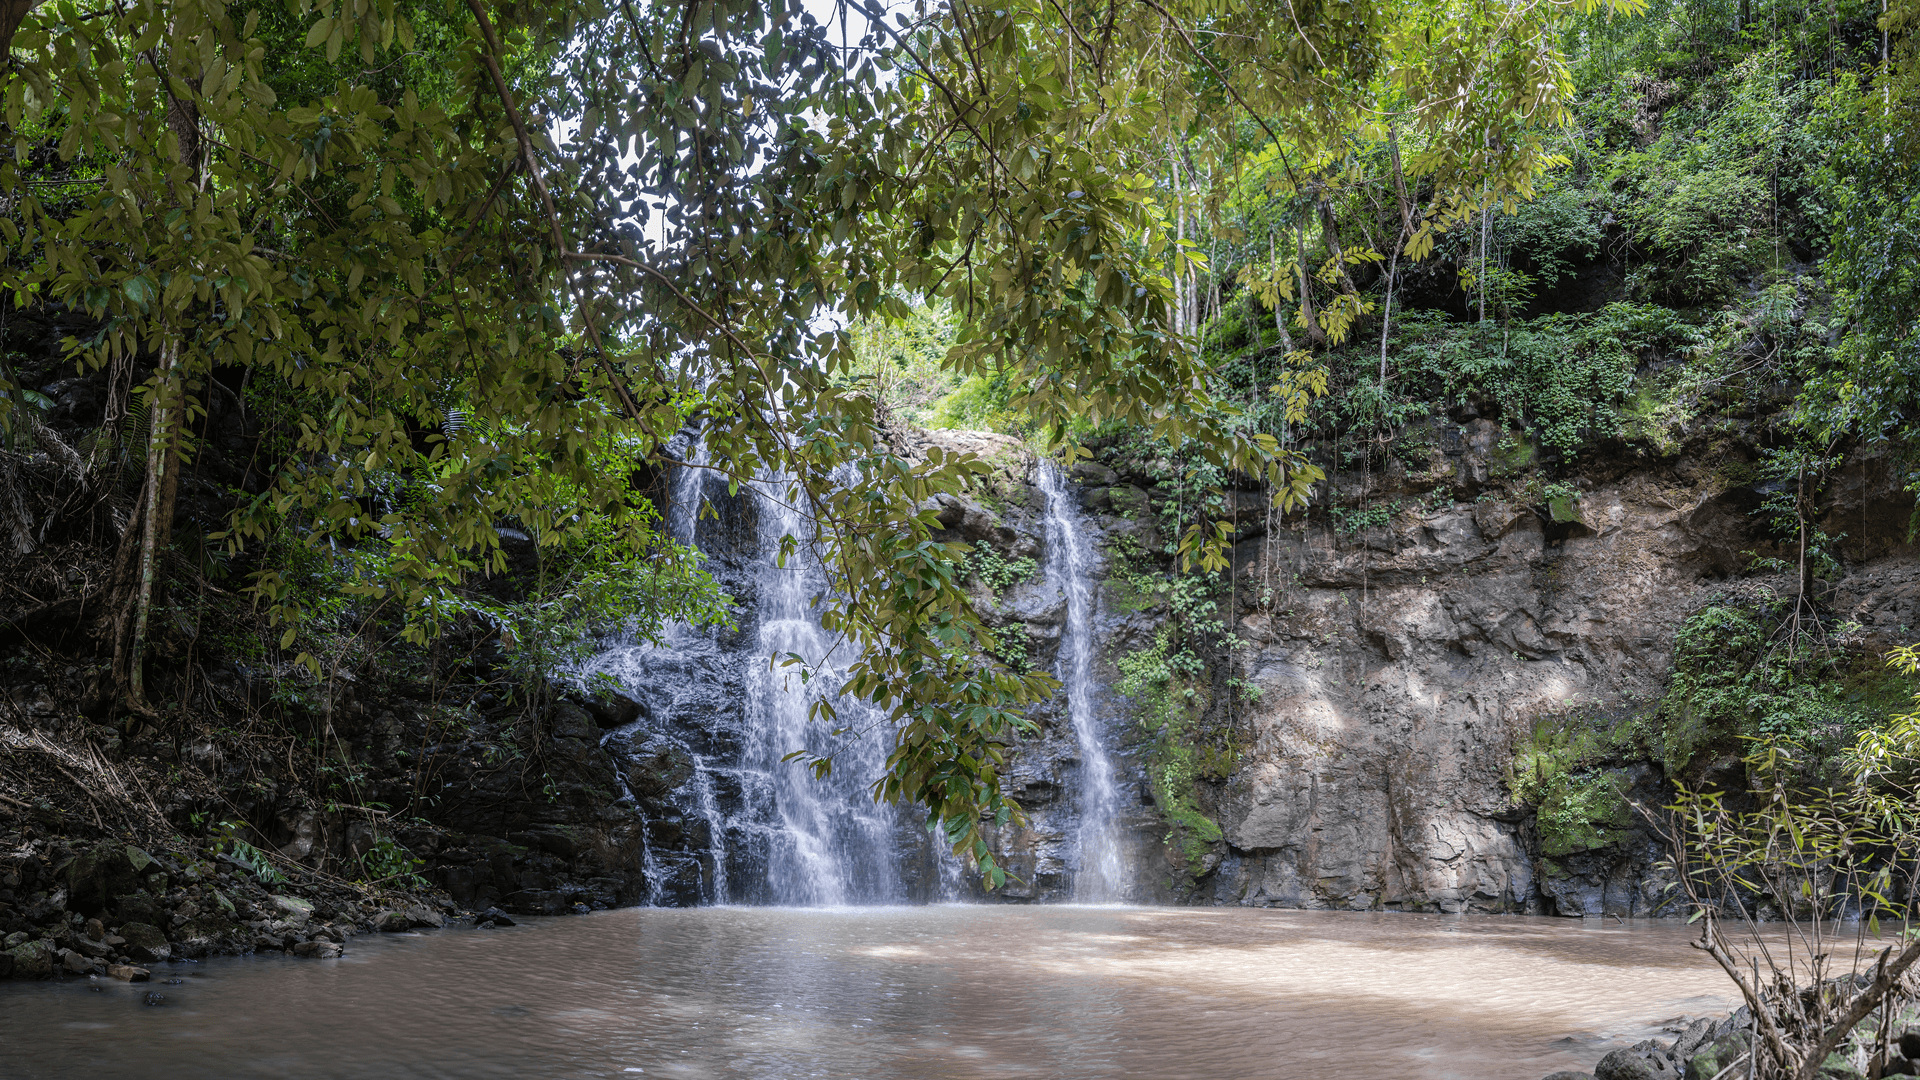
313, 307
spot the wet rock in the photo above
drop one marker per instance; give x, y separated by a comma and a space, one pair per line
570, 721
1696, 1035
613, 710
423, 916
146, 943
317, 950
32, 959
155, 997
392, 921
1632, 1065
128, 973
1568, 1075
494, 917
96, 877
78, 963
293, 909
1707, 1061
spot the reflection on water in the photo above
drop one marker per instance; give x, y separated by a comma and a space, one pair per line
880, 994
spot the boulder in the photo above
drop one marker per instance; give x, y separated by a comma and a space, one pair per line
128, 973
32, 960
96, 877
1708, 1060
78, 963
1633, 1065
293, 909
317, 950
570, 721
495, 917
1837, 1067
615, 709
422, 915
392, 921
1698, 1034
146, 943
138, 906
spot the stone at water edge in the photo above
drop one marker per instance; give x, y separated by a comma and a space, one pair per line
392, 921
79, 963
1568, 1075
1698, 1034
128, 973
317, 950
146, 943
32, 960
1707, 1061
422, 915
293, 909
1633, 1065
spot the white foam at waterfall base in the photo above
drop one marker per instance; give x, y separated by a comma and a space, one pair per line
1100, 874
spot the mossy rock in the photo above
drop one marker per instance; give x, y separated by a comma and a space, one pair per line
1709, 1060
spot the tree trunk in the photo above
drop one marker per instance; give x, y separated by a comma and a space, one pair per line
1314, 333
136, 564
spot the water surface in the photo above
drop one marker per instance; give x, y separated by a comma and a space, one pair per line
939, 993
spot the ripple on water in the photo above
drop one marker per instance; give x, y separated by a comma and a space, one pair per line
941, 993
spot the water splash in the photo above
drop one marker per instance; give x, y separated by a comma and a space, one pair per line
1101, 875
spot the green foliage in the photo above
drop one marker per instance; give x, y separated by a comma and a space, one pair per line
1566, 375
999, 572
1012, 645
1552, 234
1162, 682
1737, 676
386, 861
905, 361
1356, 519
1567, 769
227, 840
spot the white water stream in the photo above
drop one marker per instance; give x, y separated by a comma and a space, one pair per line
1102, 874
835, 845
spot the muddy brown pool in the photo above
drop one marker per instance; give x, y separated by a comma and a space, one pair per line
880, 994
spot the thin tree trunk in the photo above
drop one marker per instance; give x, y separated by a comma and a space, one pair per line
1482, 283
1386, 315
1399, 182
160, 492
1280, 312
1331, 234
1314, 333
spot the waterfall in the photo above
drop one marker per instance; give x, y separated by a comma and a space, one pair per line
1101, 874
834, 844
724, 817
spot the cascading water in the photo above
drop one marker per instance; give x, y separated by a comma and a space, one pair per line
835, 845
725, 818
1101, 874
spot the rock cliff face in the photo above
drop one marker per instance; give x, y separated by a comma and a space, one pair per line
1383, 679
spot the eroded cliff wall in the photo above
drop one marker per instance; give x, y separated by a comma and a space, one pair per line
1375, 684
